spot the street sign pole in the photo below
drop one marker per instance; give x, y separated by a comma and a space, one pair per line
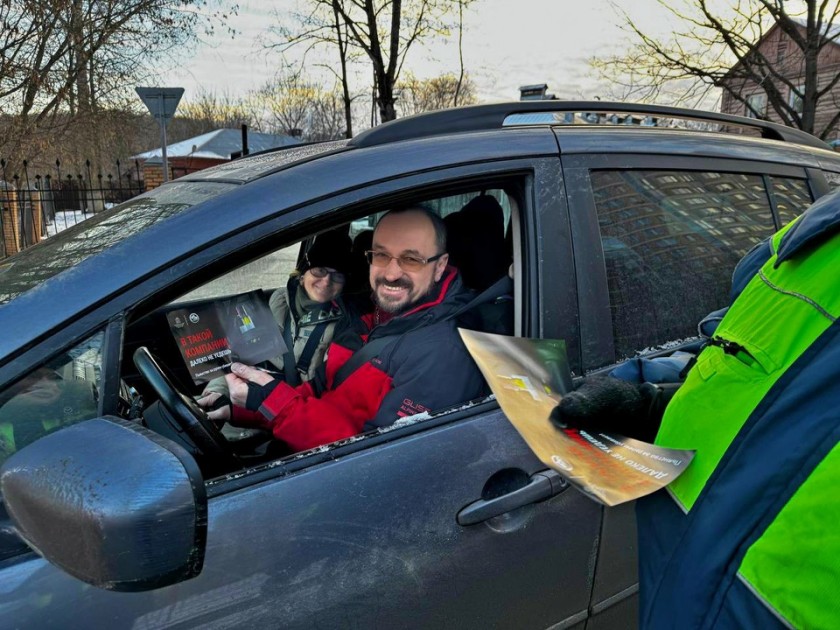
163, 143
161, 103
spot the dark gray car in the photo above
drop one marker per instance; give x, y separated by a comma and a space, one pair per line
619, 238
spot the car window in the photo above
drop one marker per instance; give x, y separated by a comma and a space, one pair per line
792, 196
671, 240
445, 206
269, 272
63, 391
833, 180
479, 246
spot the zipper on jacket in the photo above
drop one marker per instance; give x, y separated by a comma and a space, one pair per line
734, 349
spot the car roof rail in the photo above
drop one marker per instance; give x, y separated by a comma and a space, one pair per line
520, 113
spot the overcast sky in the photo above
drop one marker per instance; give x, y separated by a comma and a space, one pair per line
507, 43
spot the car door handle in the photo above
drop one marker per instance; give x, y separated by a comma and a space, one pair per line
543, 485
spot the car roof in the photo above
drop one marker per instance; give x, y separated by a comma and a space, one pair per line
391, 150
566, 113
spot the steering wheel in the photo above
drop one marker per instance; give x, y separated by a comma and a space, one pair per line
186, 412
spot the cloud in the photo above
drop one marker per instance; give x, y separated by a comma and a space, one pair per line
506, 44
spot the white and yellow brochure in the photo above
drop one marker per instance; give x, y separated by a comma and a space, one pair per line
528, 378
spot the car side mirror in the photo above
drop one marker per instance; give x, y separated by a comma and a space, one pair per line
111, 503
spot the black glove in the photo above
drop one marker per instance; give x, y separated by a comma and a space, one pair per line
614, 406
258, 393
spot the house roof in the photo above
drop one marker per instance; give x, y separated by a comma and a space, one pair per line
219, 144
830, 31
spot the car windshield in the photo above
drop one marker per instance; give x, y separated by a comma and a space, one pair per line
68, 248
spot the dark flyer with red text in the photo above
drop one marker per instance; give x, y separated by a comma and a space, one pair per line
212, 335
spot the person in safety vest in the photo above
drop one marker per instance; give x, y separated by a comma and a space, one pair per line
749, 535
41, 402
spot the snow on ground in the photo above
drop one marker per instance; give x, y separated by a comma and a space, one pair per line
63, 220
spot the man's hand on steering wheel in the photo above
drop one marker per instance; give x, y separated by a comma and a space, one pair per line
217, 406
190, 417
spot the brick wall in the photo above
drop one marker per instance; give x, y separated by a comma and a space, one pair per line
153, 175
14, 238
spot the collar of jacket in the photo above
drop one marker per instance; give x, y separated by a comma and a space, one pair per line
819, 221
451, 295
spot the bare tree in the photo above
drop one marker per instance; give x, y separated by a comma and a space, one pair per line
328, 117
344, 54
461, 72
424, 95
298, 107
76, 56
386, 30
287, 98
383, 30
731, 50
209, 111
320, 27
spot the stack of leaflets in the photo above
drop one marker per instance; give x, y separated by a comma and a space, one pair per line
528, 378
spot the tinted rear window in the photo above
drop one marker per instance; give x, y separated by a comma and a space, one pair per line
671, 240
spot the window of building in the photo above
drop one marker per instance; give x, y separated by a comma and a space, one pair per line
756, 105
781, 50
795, 98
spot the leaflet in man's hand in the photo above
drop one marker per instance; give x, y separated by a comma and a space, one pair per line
528, 378
212, 335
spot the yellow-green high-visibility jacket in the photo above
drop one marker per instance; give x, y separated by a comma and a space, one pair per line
749, 535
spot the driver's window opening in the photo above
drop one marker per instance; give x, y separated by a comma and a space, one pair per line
313, 291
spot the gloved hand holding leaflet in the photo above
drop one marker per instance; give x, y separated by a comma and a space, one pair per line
529, 378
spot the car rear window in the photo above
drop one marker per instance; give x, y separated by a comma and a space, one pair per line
671, 240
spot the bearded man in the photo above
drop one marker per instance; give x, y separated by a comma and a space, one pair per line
404, 358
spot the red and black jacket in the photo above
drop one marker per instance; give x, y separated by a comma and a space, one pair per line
425, 368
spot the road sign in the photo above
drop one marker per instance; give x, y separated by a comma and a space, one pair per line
162, 103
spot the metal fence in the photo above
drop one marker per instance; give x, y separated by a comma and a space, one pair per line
34, 205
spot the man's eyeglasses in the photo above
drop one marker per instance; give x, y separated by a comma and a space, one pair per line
323, 272
406, 262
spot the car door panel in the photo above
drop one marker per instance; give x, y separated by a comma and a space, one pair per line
614, 593
369, 537
367, 540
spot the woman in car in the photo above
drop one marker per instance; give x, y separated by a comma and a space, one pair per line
308, 311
